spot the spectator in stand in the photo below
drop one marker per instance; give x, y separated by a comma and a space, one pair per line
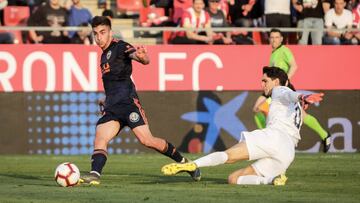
224, 7
257, 13
339, 18
108, 13
83, 36
78, 15
239, 13
327, 6
5, 37
102, 4
353, 4
3, 4
350, 4
312, 12
34, 4
297, 6
50, 14
168, 5
18, 2
195, 17
154, 19
277, 14
218, 19
356, 22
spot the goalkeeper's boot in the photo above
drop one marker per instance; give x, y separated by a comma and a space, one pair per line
195, 175
174, 168
280, 180
92, 178
327, 143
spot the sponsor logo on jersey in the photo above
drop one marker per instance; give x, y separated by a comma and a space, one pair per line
134, 117
108, 55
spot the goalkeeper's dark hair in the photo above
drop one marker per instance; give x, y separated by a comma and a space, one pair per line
291, 86
276, 73
100, 20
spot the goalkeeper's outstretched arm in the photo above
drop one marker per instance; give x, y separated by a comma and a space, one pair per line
286, 95
305, 100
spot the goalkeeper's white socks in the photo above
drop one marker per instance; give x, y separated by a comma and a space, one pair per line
213, 159
253, 180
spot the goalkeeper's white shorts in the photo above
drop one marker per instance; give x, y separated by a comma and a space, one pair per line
273, 150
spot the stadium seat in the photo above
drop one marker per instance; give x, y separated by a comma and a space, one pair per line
16, 15
179, 7
18, 39
257, 37
166, 36
129, 5
144, 13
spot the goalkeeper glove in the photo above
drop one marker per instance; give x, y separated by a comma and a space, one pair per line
305, 100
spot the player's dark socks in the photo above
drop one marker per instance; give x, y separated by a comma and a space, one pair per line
172, 152
98, 160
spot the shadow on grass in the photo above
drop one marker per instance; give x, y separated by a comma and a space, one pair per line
173, 179
34, 180
20, 176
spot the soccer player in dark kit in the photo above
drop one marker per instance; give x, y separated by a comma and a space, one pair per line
121, 107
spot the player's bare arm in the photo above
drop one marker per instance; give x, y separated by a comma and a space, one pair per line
139, 54
258, 103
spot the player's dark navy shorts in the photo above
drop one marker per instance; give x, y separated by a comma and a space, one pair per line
127, 114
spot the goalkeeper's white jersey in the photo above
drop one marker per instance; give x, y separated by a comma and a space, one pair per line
285, 112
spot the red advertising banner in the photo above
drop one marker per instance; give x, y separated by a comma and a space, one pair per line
174, 68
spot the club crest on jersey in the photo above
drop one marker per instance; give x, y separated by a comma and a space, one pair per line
108, 55
134, 117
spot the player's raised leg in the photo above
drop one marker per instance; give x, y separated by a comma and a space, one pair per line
104, 133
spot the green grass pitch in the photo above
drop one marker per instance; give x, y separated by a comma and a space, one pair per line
137, 178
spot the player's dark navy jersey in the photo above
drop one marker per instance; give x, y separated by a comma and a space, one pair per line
122, 103
116, 68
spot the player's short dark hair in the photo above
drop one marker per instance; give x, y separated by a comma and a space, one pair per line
276, 30
276, 73
100, 20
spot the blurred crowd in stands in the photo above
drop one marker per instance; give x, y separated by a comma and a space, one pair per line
310, 15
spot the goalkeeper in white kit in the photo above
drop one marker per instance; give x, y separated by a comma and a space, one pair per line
273, 147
